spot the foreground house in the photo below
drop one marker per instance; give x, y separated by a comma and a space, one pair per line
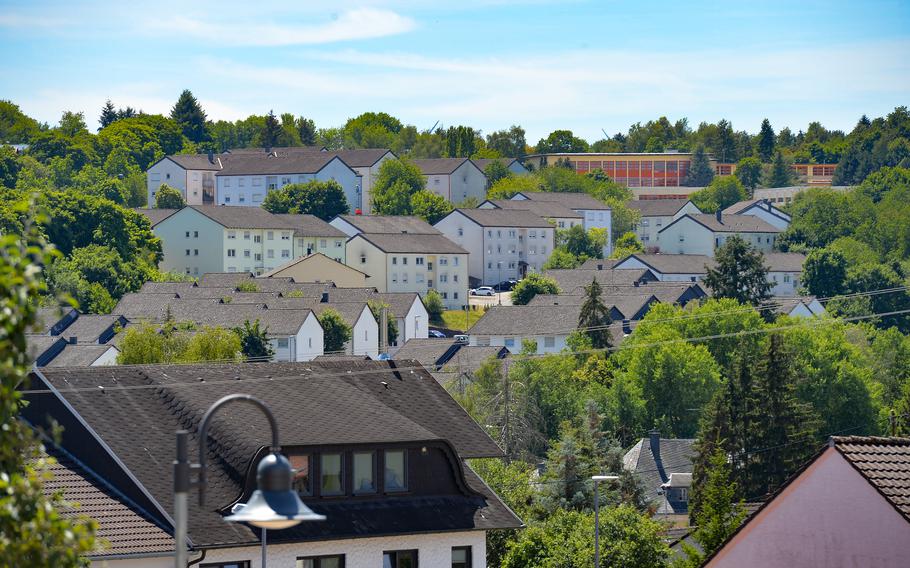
547, 326
395, 484
849, 506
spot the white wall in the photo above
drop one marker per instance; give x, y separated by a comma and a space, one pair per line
467, 181
310, 341
365, 335
109, 357
633, 262
440, 184
165, 171
367, 178
205, 236
648, 227
151, 562
767, 216
469, 236
559, 342
416, 323
697, 239
784, 283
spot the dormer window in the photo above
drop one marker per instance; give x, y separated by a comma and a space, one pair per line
364, 472
301, 465
396, 471
331, 474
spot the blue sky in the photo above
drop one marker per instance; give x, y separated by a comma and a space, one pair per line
581, 65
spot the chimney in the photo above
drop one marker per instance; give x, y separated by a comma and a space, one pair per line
719, 216
211, 156
600, 267
325, 298
654, 443
72, 340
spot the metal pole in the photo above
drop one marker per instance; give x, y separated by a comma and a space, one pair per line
596, 524
181, 497
263, 547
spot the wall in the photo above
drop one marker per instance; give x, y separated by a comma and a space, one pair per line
467, 181
109, 357
687, 277
830, 516
559, 342
376, 263
470, 239
440, 184
365, 335
152, 562
322, 269
504, 249
368, 177
770, 218
310, 341
434, 550
174, 243
416, 323
165, 171
784, 283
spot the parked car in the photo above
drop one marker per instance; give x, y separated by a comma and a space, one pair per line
483, 291
463, 339
506, 285
435, 333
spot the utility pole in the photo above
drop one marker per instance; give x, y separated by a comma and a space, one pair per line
507, 401
383, 329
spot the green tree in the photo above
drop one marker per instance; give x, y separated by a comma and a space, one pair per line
506, 188
323, 199
72, 124
594, 318
748, 170
721, 193
825, 273
561, 258
396, 183
900, 422
433, 303
495, 171
626, 245
700, 171
579, 242
306, 130
739, 273
511, 482
780, 174
254, 341
337, 332
212, 344
561, 141
108, 114
766, 141
431, 207
530, 286
169, 197
271, 132
509, 143
188, 113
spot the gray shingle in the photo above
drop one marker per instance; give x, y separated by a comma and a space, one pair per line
155, 215
568, 199
518, 218
427, 244
438, 166
284, 163
657, 207
540, 208
390, 224
729, 223
527, 320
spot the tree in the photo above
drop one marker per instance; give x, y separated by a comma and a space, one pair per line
739, 273
495, 171
530, 286
108, 114
271, 132
561, 258
188, 113
510, 482
594, 318
337, 332
510, 143
626, 245
780, 174
212, 344
72, 124
430, 206
748, 170
578, 242
721, 193
561, 141
35, 530
324, 199
254, 341
397, 182
900, 422
825, 273
766, 141
169, 197
433, 303
306, 130
700, 171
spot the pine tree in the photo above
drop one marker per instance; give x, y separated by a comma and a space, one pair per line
700, 171
254, 341
306, 128
739, 273
188, 113
780, 175
594, 317
766, 141
108, 114
272, 131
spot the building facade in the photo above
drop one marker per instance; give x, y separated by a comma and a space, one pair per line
655, 214
702, 234
455, 179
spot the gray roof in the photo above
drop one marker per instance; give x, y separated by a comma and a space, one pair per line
80, 355
314, 277
728, 223
54, 319
468, 358
657, 207
598, 264
518, 218
390, 224
310, 226
439, 166
674, 263
350, 312
399, 302
258, 218
428, 352
278, 322
263, 164
541, 208
785, 261
675, 456
89, 328
569, 199
166, 287
572, 278
482, 163
427, 244
224, 279
765, 204
527, 320
196, 161
628, 305
155, 215
361, 158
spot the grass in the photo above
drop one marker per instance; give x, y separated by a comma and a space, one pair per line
455, 319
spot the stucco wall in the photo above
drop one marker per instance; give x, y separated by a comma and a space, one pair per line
467, 181
365, 335
165, 171
767, 216
174, 243
250, 190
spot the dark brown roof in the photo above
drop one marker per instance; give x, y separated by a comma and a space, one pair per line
884, 462
527, 320
427, 244
123, 528
657, 207
541, 208
155, 215
569, 199
438, 166
519, 218
290, 163
389, 224
196, 161
729, 223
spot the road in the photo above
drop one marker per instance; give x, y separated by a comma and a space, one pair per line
502, 298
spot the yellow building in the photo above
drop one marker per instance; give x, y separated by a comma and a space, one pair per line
320, 268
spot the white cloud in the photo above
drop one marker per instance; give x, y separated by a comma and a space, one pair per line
354, 24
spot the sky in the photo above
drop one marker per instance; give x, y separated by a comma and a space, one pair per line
587, 66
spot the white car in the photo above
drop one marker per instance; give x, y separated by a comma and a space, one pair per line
483, 291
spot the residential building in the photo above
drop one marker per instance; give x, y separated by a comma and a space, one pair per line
366, 163
799, 306
455, 179
849, 506
514, 165
559, 216
57, 351
656, 214
382, 224
503, 243
447, 359
317, 267
387, 468
191, 174
510, 326
762, 208
53, 320
197, 240
364, 327
155, 215
664, 467
595, 213
786, 194
406, 262
669, 267
574, 280
701, 234
785, 269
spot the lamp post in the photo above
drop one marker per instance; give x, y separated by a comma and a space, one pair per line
597, 479
273, 505
499, 293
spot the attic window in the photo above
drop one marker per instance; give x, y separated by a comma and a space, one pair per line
301, 465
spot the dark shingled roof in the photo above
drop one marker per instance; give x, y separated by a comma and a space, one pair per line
79, 355
428, 244
428, 352
784, 261
764, 204
196, 161
598, 264
284, 163
54, 320
313, 402
568, 199
258, 218
482, 163
657, 207
123, 528
349, 312
439, 166
571, 278
224, 279
361, 158
884, 462
628, 305
89, 328
166, 287
505, 218
729, 223
676, 456
674, 263
156, 215
389, 224
527, 320
541, 208
310, 226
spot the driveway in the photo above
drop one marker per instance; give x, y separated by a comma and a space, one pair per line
502, 298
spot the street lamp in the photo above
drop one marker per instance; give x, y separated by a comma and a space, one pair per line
499, 294
597, 479
273, 505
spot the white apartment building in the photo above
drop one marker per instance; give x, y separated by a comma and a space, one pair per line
192, 174
412, 263
785, 271
547, 326
657, 214
455, 179
559, 216
382, 224
701, 234
595, 213
503, 243
366, 163
200, 239
763, 209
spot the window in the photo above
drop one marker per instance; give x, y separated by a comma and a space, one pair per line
394, 277
512, 234
187, 234
418, 261
242, 199
195, 252
188, 252
509, 342
455, 261
489, 233
270, 235
285, 236
330, 475
396, 478
257, 182
285, 253
532, 234
443, 261
461, 557
460, 232
232, 269
231, 252
246, 235
455, 294
363, 259
364, 472
334, 561
443, 278
394, 260
301, 465
455, 279
418, 278
404, 260
195, 234
283, 343
246, 253
271, 253
786, 278
339, 244
549, 341
257, 197
399, 559
227, 182
241, 182
237, 564
258, 256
